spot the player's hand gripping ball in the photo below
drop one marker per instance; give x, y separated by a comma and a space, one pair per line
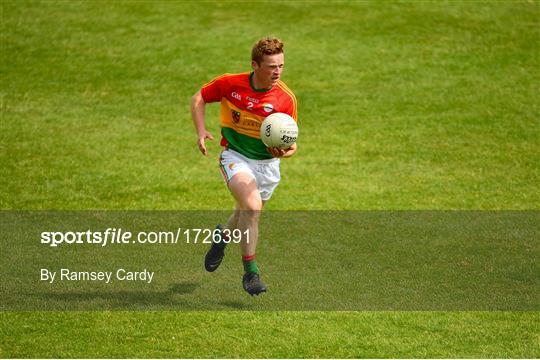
279, 130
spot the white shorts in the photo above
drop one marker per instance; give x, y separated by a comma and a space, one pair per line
265, 172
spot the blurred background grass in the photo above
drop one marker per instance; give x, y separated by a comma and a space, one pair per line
410, 105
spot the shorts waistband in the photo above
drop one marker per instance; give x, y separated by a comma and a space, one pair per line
264, 161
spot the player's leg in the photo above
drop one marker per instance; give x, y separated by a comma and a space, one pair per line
250, 202
215, 254
230, 164
232, 223
249, 205
247, 247
243, 187
235, 169
243, 182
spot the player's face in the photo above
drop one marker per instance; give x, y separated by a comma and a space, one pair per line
269, 70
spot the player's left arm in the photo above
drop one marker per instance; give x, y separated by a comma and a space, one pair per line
292, 111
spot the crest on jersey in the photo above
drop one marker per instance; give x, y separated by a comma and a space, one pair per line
268, 108
235, 116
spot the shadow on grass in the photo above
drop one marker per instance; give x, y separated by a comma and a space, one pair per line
118, 300
183, 288
170, 299
234, 305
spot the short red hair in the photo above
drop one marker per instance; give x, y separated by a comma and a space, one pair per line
266, 46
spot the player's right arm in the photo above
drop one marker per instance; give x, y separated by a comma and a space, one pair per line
197, 114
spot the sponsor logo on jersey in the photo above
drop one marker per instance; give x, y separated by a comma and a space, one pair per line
236, 95
252, 123
253, 100
268, 108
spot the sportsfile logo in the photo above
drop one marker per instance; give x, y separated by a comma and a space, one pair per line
121, 237
112, 236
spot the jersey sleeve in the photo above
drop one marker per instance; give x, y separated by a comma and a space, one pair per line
215, 89
287, 101
291, 107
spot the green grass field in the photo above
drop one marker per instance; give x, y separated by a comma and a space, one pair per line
402, 106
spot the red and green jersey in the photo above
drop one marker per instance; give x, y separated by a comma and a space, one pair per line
243, 109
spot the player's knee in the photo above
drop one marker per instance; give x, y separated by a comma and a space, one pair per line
250, 216
252, 206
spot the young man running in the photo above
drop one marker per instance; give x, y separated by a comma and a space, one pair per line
250, 169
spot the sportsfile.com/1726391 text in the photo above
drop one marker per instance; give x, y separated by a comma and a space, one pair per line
119, 236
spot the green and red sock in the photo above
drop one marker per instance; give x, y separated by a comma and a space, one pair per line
250, 265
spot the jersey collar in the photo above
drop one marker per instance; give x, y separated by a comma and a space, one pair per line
253, 86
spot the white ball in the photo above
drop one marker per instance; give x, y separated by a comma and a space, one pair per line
279, 130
